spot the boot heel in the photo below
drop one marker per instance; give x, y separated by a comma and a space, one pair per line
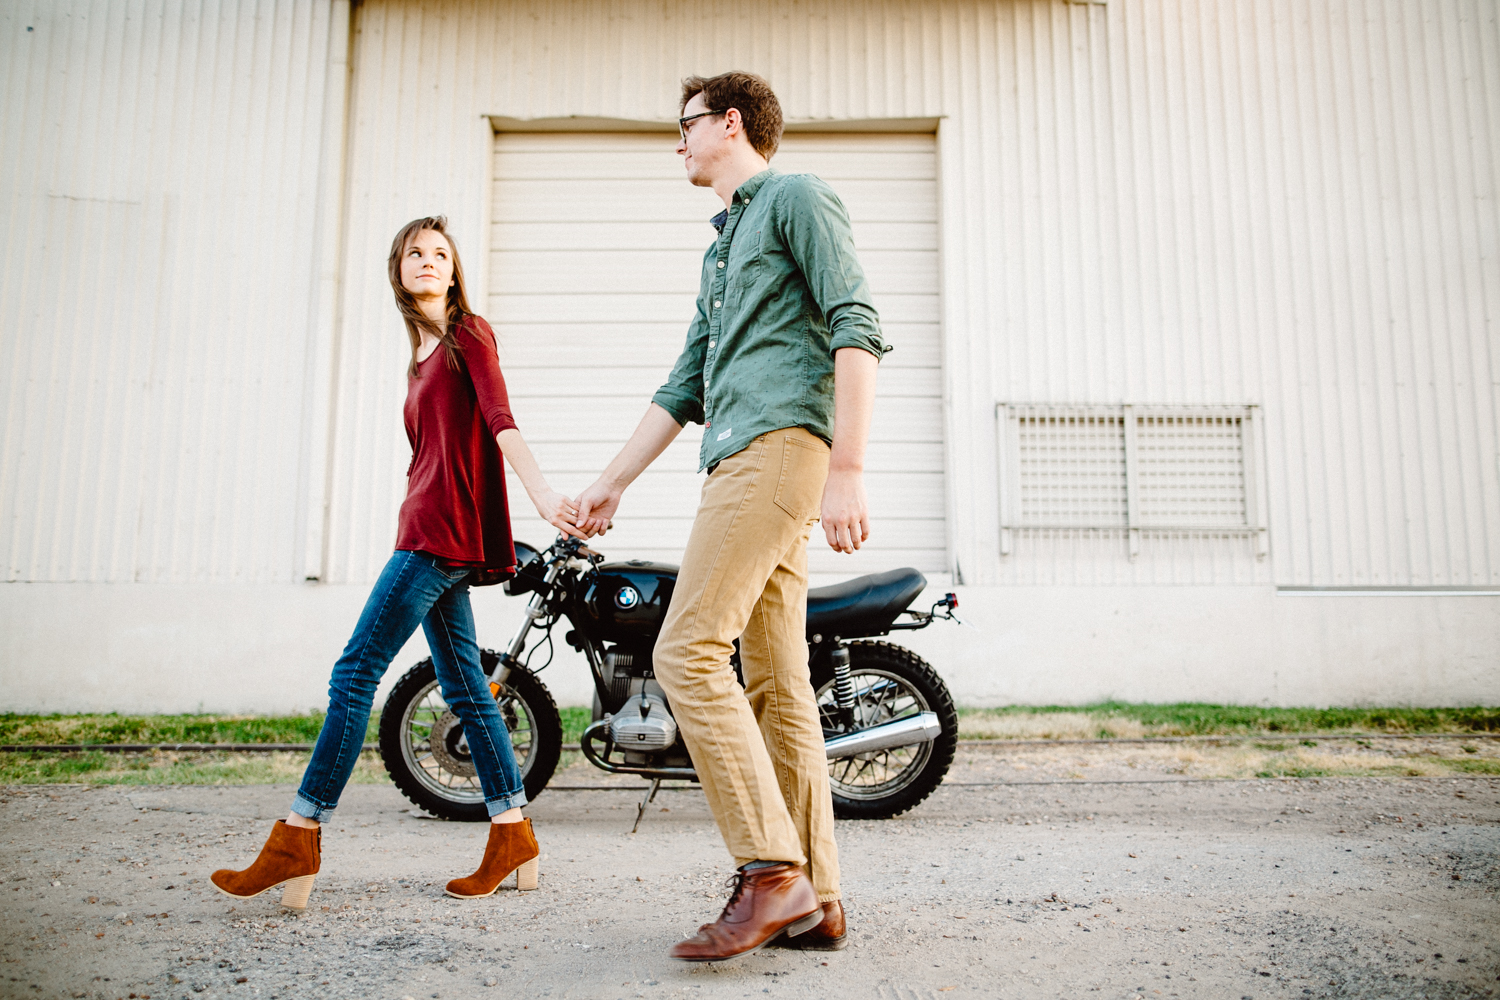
806, 923
526, 875
296, 892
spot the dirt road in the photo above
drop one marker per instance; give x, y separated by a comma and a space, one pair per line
1359, 887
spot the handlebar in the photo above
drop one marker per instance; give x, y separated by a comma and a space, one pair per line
568, 547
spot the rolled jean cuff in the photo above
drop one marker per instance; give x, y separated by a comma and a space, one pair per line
308, 809
505, 803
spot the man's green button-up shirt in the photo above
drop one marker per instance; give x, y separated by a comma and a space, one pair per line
781, 291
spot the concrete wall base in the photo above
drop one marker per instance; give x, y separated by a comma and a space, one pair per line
144, 648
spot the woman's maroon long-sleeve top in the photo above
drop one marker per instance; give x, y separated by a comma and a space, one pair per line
455, 505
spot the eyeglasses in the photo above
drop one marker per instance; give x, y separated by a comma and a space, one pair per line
682, 123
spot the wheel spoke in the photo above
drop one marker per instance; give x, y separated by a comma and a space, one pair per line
427, 711
879, 697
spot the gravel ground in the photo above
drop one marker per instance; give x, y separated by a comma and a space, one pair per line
1013, 880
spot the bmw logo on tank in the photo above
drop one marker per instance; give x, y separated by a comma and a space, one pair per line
627, 598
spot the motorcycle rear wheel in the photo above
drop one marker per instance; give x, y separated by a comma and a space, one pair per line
438, 774
889, 682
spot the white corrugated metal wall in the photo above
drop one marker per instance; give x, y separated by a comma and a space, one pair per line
1290, 205
160, 296
540, 60
1286, 203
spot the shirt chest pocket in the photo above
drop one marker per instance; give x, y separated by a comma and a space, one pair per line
744, 253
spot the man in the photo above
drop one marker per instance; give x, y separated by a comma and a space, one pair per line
779, 366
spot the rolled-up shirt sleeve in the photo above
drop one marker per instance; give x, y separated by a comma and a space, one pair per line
815, 227
682, 396
477, 341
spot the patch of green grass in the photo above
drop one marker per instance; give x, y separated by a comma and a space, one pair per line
114, 728
94, 767
1202, 719
1480, 765
1111, 718
85, 729
574, 722
1293, 772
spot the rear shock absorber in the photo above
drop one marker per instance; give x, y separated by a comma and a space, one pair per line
843, 684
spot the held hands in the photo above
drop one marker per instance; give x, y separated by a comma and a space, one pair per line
846, 514
596, 506
558, 511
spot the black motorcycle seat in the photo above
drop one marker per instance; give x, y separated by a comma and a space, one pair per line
866, 605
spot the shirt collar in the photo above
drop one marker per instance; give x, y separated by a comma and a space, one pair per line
747, 190
743, 194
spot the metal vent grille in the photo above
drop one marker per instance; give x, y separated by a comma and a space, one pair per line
1072, 469
1128, 469
1191, 471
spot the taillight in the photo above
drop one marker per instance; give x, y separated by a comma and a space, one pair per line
951, 600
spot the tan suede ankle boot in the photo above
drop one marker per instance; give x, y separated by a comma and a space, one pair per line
511, 848
292, 855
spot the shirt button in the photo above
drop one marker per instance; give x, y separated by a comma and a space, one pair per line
712, 343
717, 303
721, 263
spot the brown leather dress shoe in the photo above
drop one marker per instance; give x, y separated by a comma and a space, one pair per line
766, 903
829, 935
292, 856
512, 847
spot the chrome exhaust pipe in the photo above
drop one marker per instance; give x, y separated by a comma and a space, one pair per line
923, 728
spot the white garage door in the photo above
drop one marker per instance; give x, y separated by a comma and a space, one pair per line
596, 249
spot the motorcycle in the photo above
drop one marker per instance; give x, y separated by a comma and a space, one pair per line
889, 724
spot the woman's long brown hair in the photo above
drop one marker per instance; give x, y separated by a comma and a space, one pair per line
458, 300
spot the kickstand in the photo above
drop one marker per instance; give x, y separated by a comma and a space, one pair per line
650, 797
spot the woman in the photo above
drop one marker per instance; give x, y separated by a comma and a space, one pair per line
454, 522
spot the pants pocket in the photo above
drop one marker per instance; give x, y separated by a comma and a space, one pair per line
804, 469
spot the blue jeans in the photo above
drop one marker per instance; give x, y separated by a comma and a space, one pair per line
412, 589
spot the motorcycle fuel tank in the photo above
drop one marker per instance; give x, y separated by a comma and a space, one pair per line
626, 602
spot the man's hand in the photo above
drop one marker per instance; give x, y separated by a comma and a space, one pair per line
846, 514
596, 507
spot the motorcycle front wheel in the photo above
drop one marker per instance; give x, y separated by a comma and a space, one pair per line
423, 745
889, 682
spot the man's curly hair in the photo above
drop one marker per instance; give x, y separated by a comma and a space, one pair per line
749, 94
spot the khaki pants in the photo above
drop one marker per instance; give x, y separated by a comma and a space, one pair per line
744, 575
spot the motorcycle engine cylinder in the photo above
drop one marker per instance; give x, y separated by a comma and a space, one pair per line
617, 667
643, 725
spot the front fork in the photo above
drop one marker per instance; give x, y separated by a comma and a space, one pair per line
536, 608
